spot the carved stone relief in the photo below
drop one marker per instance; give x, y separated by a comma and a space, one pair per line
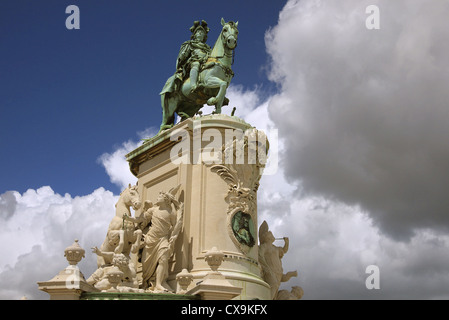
243, 181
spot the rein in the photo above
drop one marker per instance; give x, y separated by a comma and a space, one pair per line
214, 60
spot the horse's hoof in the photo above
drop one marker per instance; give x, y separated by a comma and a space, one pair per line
164, 128
212, 101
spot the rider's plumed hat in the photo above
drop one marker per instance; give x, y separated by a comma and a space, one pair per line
197, 25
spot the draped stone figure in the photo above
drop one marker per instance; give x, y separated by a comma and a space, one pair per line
165, 220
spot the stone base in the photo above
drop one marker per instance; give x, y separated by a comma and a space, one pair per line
215, 287
212, 205
68, 284
135, 296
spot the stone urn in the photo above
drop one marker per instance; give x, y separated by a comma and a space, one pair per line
74, 253
214, 258
184, 279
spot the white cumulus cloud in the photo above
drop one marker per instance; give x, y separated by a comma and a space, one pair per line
40, 226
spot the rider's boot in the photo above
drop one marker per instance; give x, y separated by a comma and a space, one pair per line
194, 78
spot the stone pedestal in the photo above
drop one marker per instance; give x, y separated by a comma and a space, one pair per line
220, 198
69, 283
214, 285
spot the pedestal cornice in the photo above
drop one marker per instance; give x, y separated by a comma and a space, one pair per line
162, 141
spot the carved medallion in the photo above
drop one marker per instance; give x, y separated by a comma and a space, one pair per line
243, 229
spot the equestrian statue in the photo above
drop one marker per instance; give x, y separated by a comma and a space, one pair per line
202, 74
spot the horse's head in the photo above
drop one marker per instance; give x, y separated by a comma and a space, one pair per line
130, 196
229, 33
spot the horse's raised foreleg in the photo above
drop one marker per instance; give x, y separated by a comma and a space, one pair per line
214, 82
136, 246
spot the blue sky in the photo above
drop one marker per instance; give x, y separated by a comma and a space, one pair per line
68, 96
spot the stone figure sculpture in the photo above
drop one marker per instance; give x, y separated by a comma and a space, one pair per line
270, 260
209, 74
100, 278
296, 293
165, 222
122, 235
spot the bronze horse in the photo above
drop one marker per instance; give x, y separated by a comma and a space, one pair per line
214, 79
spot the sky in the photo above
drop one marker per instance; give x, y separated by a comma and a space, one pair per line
362, 118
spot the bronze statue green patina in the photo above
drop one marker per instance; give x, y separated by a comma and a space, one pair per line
202, 75
243, 228
193, 54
